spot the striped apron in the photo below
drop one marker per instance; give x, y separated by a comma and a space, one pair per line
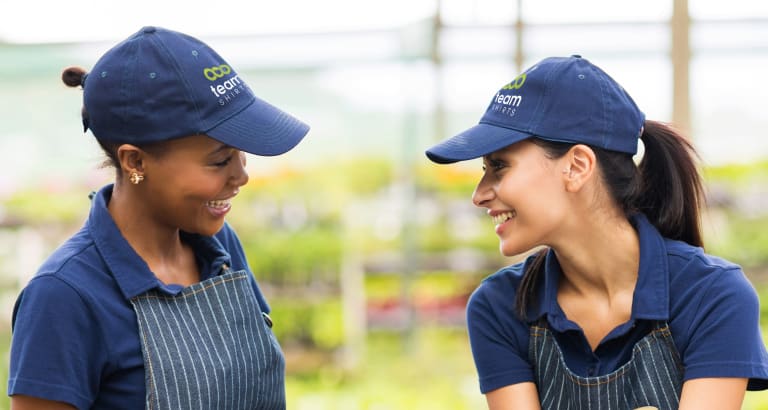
652, 377
209, 348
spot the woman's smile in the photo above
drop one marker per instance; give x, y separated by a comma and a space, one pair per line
500, 219
220, 207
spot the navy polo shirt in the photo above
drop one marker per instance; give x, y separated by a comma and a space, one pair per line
710, 306
75, 335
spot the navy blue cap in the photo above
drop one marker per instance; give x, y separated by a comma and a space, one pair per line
563, 99
160, 84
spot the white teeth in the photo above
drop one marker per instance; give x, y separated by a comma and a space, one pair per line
218, 204
503, 217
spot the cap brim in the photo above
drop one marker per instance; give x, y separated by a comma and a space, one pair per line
478, 141
260, 129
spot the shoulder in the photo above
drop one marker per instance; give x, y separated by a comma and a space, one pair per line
74, 262
493, 301
67, 282
499, 285
683, 255
74, 280
694, 273
713, 304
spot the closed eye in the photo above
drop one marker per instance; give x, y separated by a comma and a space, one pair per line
223, 163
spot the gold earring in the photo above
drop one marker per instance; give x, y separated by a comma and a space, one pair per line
136, 178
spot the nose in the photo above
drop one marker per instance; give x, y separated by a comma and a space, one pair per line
240, 175
483, 193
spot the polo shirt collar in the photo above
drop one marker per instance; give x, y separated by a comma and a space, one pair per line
129, 270
651, 297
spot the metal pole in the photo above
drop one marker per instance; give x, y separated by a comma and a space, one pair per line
519, 29
681, 57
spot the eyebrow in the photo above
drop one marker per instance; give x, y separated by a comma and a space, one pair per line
220, 148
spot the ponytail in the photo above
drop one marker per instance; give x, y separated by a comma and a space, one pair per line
671, 190
665, 186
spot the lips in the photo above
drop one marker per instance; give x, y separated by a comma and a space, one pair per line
220, 207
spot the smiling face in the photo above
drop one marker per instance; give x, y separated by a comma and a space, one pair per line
525, 195
189, 186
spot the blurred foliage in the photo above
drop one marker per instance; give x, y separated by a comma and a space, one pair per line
738, 198
395, 375
744, 241
436, 284
737, 175
454, 180
308, 322
336, 181
44, 206
293, 258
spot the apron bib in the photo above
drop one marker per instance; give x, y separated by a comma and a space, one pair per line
652, 377
209, 348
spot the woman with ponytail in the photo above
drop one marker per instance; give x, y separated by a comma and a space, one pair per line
619, 307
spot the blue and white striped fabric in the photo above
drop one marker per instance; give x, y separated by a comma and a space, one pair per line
652, 377
209, 348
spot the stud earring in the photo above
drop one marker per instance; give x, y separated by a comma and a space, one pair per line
136, 178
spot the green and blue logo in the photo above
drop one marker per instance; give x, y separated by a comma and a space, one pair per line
214, 73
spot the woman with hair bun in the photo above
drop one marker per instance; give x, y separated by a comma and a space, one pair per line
152, 303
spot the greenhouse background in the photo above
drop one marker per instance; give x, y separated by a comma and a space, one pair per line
366, 251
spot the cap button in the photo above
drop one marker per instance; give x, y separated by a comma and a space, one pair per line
149, 30
576, 55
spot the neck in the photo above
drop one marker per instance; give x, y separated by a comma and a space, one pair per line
158, 245
605, 264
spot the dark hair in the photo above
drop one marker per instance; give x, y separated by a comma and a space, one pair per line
666, 186
110, 150
75, 77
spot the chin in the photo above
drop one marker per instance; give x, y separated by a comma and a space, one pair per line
510, 250
209, 229
509, 254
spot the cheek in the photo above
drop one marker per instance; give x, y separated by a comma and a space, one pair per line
537, 194
181, 194
198, 182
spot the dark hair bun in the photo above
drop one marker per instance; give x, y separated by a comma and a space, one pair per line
73, 76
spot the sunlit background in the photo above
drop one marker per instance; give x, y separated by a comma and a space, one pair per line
365, 250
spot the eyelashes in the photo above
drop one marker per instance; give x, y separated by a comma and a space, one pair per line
224, 163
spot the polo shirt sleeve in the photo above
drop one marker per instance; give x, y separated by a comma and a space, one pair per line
725, 337
499, 341
56, 348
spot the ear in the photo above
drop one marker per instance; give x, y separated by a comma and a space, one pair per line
131, 159
580, 164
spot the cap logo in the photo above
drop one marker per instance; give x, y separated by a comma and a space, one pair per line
507, 104
227, 90
516, 83
508, 99
213, 73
